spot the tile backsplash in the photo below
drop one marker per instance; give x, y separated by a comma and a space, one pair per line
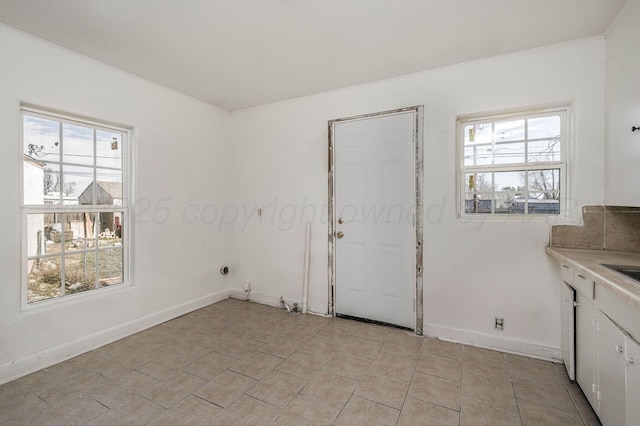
604, 228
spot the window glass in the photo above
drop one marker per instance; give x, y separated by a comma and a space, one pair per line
513, 165
73, 179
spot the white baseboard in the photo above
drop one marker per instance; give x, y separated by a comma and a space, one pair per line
23, 366
503, 344
267, 299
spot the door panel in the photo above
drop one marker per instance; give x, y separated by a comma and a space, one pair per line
374, 178
611, 364
585, 348
632, 355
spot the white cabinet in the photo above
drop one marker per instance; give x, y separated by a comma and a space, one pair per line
632, 391
607, 354
611, 372
585, 348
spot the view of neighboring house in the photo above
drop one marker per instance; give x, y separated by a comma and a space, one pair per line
76, 225
106, 193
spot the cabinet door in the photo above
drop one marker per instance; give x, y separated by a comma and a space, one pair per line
568, 329
585, 348
633, 381
611, 371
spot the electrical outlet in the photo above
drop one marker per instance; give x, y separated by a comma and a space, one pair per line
246, 286
499, 324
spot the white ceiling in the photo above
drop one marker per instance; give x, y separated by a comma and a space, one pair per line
241, 53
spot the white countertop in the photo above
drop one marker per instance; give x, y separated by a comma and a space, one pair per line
588, 263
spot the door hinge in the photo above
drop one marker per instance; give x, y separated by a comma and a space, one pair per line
414, 305
593, 388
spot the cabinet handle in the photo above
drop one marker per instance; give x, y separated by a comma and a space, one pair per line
631, 361
581, 276
619, 349
565, 266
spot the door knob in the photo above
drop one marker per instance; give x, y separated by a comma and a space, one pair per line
340, 220
340, 234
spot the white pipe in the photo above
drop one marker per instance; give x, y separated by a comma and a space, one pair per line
307, 262
285, 304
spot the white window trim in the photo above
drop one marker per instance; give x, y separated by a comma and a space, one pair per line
26, 209
565, 112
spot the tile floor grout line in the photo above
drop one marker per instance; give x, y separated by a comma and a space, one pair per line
202, 321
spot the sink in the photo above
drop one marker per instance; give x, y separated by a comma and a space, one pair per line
632, 272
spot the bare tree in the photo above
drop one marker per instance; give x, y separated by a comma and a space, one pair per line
51, 180
69, 187
546, 181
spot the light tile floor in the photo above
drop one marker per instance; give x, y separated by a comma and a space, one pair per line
237, 362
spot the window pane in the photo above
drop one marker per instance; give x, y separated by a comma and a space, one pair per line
478, 203
110, 229
509, 181
512, 130
478, 182
543, 206
76, 181
544, 127
77, 144
546, 150
36, 236
83, 231
110, 267
508, 153
41, 139
109, 187
478, 133
33, 180
469, 156
544, 180
108, 149
508, 202
80, 272
478, 155
43, 281
51, 183
54, 232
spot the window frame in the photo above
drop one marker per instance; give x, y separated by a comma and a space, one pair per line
60, 208
564, 112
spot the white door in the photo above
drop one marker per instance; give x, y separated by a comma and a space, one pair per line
585, 348
611, 365
374, 178
632, 355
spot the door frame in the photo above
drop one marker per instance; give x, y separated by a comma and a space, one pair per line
418, 188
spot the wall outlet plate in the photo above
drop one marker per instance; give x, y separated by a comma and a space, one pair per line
499, 324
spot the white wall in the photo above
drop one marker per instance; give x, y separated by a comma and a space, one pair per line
473, 271
182, 156
623, 110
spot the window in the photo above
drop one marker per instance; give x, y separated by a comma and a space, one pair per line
513, 165
74, 205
